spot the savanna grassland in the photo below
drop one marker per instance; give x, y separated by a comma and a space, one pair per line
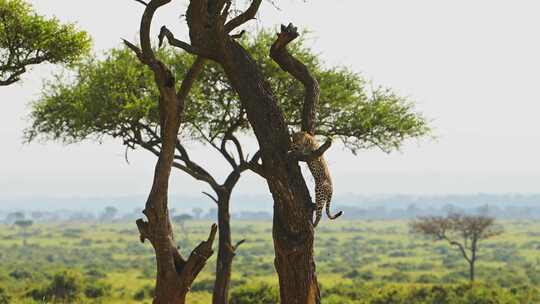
357, 262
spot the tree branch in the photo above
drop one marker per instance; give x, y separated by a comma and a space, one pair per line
191, 75
144, 230
298, 70
166, 33
196, 172
235, 247
244, 17
459, 246
197, 260
136, 50
226, 154
146, 23
141, 2
253, 165
211, 197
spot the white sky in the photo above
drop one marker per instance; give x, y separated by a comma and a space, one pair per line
472, 67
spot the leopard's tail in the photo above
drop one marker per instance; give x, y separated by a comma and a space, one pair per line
330, 216
318, 215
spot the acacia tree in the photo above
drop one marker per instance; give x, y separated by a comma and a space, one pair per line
175, 274
210, 32
116, 98
28, 39
461, 231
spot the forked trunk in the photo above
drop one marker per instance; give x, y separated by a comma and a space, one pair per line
174, 273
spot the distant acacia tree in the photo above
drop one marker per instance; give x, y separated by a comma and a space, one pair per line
14, 216
109, 213
24, 225
461, 231
28, 39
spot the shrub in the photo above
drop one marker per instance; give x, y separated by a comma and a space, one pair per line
64, 286
19, 274
96, 290
4, 297
427, 278
255, 294
203, 285
147, 292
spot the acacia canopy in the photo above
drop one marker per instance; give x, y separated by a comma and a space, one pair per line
27, 39
116, 97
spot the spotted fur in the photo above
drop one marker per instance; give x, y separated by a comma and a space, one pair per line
306, 143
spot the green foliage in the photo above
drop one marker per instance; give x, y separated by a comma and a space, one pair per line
261, 293
23, 223
4, 297
117, 97
146, 292
95, 289
436, 294
65, 286
27, 39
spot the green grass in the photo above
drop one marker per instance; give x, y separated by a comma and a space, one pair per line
352, 252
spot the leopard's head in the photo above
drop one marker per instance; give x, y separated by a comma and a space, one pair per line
302, 141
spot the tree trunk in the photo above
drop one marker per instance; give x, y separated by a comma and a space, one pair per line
292, 228
473, 259
474, 248
471, 271
225, 251
174, 273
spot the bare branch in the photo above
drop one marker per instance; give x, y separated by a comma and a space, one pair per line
226, 154
146, 22
298, 70
197, 173
239, 35
235, 247
249, 14
165, 33
460, 247
211, 197
253, 165
144, 230
135, 49
197, 260
126, 155
191, 75
141, 2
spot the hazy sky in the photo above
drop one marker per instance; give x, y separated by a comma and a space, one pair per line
472, 67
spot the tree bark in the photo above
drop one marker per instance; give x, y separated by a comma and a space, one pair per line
471, 271
225, 252
474, 247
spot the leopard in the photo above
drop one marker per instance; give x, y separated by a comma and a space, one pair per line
306, 143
